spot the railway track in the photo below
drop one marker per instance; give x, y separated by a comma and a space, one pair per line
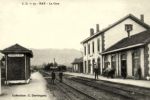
121, 92
76, 92
88, 91
131, 92
93, 92
71, 93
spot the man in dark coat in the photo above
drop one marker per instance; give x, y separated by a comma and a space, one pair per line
139, 72
124, 75
60, 76
96, 71
53, 77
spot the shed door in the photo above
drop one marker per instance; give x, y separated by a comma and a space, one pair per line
16, 68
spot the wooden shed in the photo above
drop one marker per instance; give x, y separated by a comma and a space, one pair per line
17, 64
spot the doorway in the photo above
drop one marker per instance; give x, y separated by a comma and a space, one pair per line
16, 68
93, 64
99, 67
123, 65
89, 66
136, 63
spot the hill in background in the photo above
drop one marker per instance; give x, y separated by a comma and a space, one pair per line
62, 56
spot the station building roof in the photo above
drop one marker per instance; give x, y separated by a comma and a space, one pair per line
133, 41
77, 60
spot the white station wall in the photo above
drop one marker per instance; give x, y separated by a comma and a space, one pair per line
118, 32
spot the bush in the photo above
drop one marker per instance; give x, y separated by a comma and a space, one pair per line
62, 68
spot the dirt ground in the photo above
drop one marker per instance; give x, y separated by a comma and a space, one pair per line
35, 90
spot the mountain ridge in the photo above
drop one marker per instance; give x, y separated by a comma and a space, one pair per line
62, 56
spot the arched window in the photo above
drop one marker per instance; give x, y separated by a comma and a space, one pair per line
93, 47
85, 66
89, 66
124, 64
93, 62
84, 50
98, 44
88, 48
106, 62
135, 60
113, 61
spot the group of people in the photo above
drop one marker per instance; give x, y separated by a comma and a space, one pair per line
53, 75
109, 72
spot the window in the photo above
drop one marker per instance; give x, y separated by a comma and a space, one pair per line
123, 56
93, 64
124, 64
99, 66
128, 27
84, 50
136, 61
85, 66
93, 46
88, 48
89, 66
113, 61
98, 44
106, 62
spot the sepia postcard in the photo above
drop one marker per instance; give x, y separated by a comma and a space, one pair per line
74, 50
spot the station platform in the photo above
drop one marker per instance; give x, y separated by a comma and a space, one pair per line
139, 83
35, 90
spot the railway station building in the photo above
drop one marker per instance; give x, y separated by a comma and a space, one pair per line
17, 64
124, 46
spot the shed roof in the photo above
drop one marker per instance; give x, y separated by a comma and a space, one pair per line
17, 49
77, 60
133, 41
137, 20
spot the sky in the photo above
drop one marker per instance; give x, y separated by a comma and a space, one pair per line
64, 25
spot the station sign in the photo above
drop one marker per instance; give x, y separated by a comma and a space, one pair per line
15, 55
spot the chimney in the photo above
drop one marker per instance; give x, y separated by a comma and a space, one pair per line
128, 34
91, 31
142, 17
97, 27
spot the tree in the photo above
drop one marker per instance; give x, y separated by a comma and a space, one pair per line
62, 68
48, 66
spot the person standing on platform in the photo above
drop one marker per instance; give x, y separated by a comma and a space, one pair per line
53, 77
96, 71
60, 76
139, 72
